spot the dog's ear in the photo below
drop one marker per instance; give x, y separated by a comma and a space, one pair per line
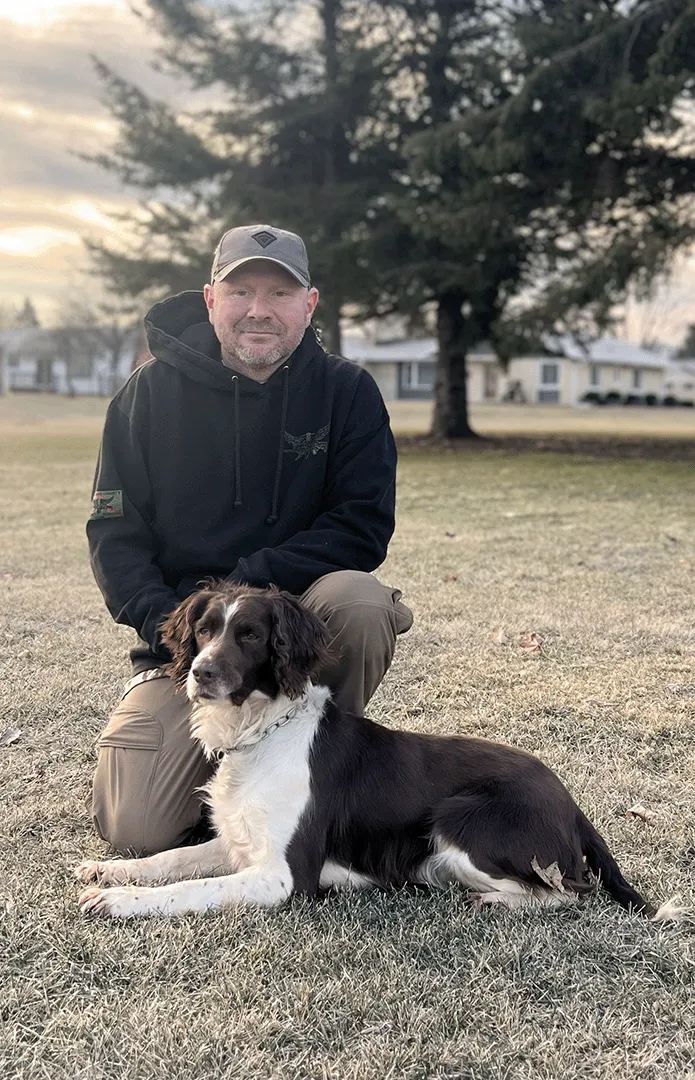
178, 635
298, 642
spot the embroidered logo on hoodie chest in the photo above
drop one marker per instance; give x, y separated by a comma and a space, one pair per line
309, 444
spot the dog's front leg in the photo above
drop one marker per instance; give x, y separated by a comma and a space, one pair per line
179, 864
263, 886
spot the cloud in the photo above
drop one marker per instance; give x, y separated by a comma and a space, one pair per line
51, 111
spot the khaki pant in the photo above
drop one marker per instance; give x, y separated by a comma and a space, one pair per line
144, 796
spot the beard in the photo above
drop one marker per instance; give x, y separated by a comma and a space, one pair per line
250, 356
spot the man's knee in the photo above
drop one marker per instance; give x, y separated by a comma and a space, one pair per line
351, 598
126, 819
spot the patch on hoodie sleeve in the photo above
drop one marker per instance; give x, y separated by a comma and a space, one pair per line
107, 504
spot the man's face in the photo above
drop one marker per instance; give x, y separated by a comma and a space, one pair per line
259, 313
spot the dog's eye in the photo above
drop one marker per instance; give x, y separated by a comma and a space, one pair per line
248, 635
204, 632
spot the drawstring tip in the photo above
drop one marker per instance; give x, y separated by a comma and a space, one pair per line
237, 503
271, 520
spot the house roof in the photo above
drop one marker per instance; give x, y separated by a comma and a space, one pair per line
361, 350
605, 350
681, 368
21, 337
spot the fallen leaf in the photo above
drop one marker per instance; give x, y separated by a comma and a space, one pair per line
450, 534
551, 875
531, 643
640, 812
9, 735
452, 577
501, 636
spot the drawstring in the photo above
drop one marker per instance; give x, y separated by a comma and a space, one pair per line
237, 444
281, 448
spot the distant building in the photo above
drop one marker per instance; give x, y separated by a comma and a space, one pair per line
564, 372
31, 360
679, 384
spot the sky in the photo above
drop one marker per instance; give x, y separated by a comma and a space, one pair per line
51, 111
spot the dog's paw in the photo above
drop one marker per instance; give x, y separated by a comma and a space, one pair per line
113, 903
481, 900
108, 872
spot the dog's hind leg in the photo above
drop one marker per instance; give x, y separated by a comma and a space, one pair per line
531, 897
179, 864
335, 876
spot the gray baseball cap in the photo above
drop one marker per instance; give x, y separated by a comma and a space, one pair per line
248, 242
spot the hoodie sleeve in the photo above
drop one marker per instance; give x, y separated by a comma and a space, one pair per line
122, 545
357, 521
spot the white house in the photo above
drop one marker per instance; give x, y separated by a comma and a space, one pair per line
406, 369
29, 362
679, 384
565, 372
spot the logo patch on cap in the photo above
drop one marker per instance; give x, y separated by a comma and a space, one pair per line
264, 238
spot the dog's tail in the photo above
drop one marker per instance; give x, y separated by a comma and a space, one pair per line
604, 866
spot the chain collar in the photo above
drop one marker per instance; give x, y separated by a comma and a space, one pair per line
220, 752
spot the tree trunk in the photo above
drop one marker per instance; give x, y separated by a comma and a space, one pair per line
335, 158
450, 420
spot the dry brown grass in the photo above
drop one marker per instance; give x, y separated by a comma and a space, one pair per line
413, 418
597, 557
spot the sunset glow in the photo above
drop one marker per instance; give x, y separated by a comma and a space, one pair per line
31, 241
38, 13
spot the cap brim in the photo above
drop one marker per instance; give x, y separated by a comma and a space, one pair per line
227, 270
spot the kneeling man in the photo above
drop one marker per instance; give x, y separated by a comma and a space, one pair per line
240, 450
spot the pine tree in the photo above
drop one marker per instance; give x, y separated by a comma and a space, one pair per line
548, 171
515, 167
26, 316
290, 144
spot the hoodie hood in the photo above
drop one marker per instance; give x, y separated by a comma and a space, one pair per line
179, 333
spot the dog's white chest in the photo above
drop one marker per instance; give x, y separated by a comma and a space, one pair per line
259, 795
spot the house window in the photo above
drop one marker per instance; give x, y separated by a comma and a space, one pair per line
595, 375
549, 374
417, 376
616, 374
636, 379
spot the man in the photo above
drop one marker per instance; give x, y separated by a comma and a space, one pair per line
241, 450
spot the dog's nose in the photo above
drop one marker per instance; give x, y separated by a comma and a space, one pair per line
203, 673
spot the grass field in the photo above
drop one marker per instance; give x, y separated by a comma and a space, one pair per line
27, 414
595, 556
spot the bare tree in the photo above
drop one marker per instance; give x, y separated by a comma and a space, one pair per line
86, 333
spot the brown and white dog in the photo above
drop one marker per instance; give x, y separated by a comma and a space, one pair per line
307, 797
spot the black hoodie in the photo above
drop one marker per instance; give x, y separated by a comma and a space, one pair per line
203, 472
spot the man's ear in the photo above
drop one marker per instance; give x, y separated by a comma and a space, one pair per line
298, 642
178, 634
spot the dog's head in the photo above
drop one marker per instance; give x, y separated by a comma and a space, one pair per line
229, 640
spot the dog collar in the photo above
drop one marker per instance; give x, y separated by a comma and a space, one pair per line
221, 752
